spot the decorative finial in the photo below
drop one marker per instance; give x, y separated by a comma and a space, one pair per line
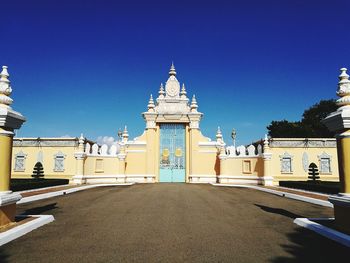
266, 141
5, 88
151, 104
219, 134
172, 71
183, 92
343, 89
161, 91
125, 134
81, 139
194, 105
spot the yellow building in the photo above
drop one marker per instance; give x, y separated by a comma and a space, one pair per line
173, 149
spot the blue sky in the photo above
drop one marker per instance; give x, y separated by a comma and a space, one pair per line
90, 66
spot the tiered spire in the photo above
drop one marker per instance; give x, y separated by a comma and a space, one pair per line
183, 92
5, 88
266, 142
161, 91
125, 134
172, 71
194, 105
151, 104
343, 90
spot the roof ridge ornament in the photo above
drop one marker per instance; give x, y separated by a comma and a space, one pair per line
151, 104
343, 90
183, 92
194, 105
5, 88
161, 92
172, 71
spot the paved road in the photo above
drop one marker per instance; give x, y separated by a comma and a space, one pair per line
172, 223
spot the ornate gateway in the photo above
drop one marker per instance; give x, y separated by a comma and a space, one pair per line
172, 153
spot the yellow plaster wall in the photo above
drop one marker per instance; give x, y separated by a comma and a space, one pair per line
298, 172
135, 163
236, 166
48, 161
203, 159
109, 165
5, 160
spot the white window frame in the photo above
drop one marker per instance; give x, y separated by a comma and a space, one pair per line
284, 157
324, 156
59, 157
20, 156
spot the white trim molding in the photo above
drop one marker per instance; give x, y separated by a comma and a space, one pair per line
202, 178
245, 179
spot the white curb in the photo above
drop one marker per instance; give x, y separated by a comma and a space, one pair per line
64, 192
283, 194
323, 230
21, 230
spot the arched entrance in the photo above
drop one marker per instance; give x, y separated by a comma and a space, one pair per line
172, 163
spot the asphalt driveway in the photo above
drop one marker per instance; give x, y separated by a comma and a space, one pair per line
172, 223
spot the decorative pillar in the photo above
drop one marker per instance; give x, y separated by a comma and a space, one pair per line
267, 178
9, 121
222, 153
80, 156
339, 122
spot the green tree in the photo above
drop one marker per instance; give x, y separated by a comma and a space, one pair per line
313, 116
38, 171
309, 127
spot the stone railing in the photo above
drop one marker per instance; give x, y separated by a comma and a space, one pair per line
242, 151
103, 150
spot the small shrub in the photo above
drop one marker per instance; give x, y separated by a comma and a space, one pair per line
38, 171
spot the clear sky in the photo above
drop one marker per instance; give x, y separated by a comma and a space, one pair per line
90, 66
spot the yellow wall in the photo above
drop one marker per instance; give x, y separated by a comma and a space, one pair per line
5, 160
253, 166
298, 172
48, 161
101, 165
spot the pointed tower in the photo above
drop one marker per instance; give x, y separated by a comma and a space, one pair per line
10, 120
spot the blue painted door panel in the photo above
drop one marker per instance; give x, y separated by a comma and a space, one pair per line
172, 166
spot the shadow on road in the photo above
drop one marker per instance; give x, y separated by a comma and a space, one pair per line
278, 211
40, 209
308, 246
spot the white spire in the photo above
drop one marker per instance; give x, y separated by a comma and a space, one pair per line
5, 88
151, 104
161, 92
194, 105
172, 71
125, 134
183, 92
219, 135
343, 89
266, 142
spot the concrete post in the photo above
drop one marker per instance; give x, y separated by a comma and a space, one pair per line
268, 178
80, 156
339, 122
9, 121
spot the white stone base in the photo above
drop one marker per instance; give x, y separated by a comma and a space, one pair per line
202, 179
245, 179
140, 178
323, 230
97, 179
9, 198
23, 229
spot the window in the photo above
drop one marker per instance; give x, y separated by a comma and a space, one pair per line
99, 166
20, 162
59, 162
325, 163
286, 163
247, 166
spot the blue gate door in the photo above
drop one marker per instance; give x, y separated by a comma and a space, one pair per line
172, 153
